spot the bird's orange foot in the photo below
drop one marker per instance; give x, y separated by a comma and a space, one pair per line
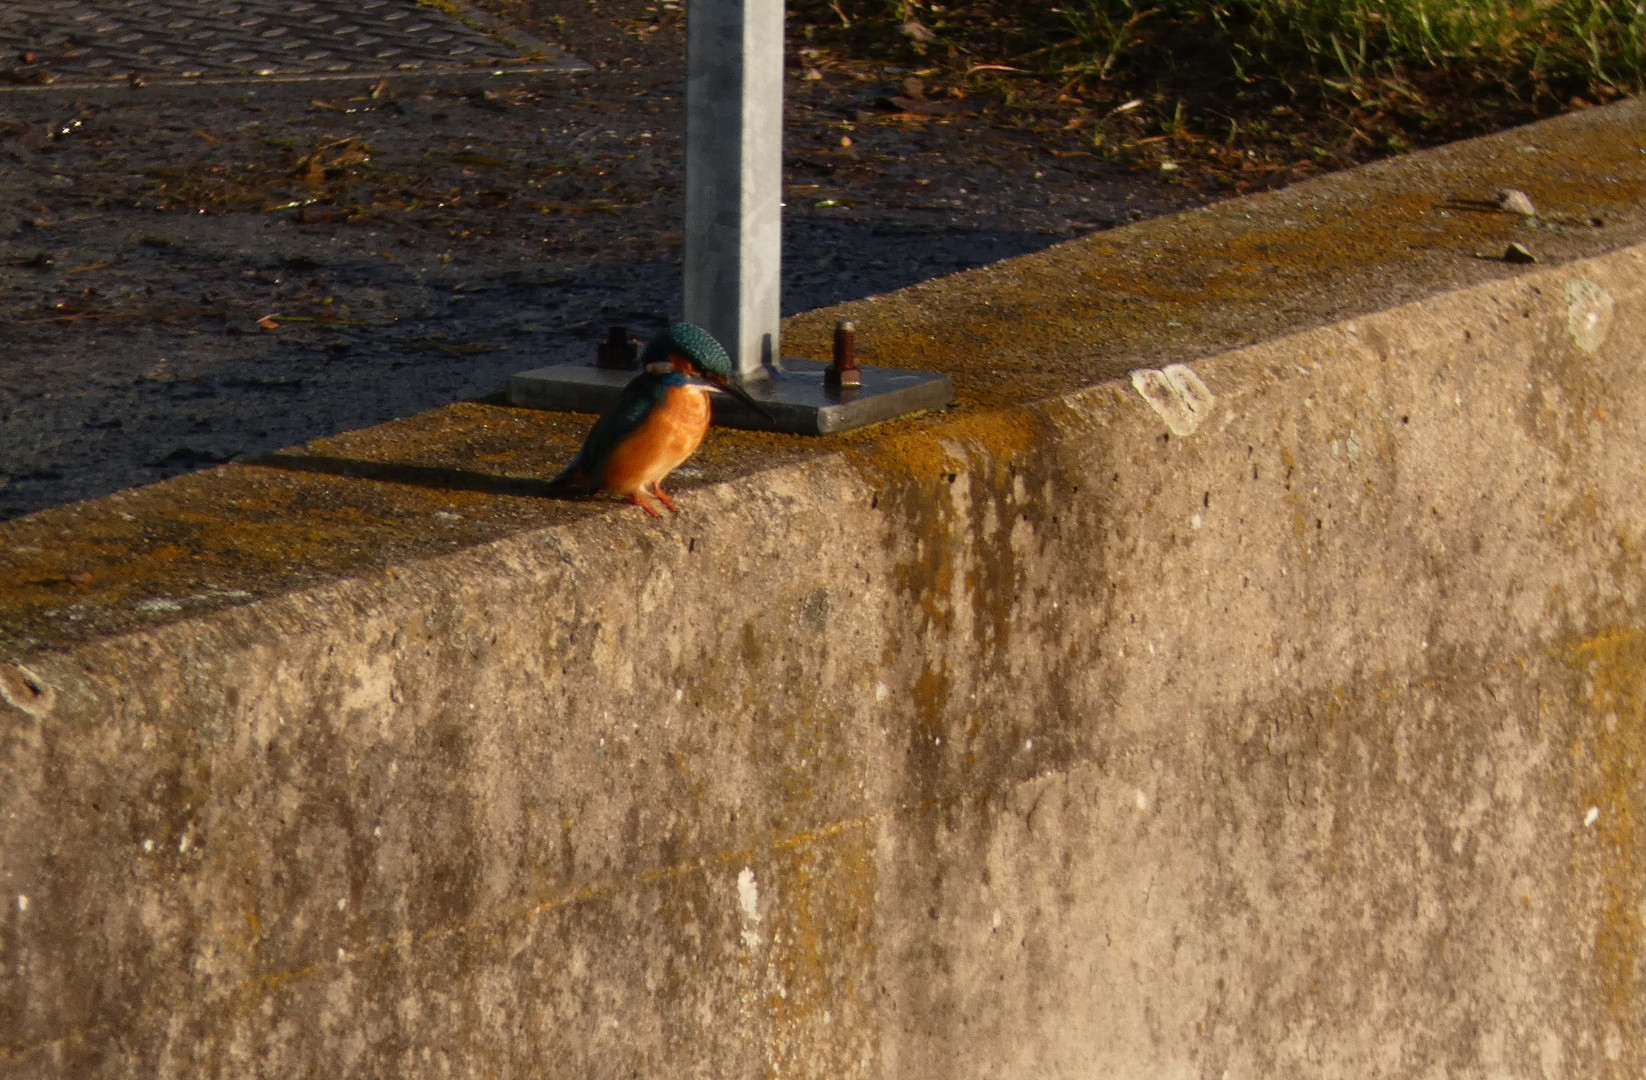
643, 504
657, 489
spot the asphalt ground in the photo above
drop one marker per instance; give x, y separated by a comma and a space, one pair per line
191, 274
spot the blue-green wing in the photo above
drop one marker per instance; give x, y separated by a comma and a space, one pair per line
643, 393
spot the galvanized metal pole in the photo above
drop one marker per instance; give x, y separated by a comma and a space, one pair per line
734, 177
734, 242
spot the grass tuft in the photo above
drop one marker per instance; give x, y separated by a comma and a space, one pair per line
1243, 94
1531, 46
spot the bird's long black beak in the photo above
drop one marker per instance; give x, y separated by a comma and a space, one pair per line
731, 387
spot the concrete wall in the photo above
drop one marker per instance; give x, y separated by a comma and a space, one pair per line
1282, 715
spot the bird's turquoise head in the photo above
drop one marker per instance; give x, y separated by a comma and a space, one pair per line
694, 344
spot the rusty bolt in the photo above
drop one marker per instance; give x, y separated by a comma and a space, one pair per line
844, 374
618, 352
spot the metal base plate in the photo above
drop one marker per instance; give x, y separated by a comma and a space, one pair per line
795, 396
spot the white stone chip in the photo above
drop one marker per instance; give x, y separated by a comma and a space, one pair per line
1516, 201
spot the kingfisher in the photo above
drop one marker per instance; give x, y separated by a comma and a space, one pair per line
657, 422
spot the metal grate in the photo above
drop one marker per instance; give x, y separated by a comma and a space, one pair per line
42, 42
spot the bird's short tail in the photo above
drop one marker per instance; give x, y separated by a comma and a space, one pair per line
572, 483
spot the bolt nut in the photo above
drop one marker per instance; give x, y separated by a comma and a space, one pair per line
844, 373
619, 352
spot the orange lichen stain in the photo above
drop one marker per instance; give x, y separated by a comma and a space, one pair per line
821, 936
1590, 503
695, 785
1612, 752
927, 578
930, 450
1082, 311
209, 538
254, 925
926, 574
804, 736
931, 697
993, 583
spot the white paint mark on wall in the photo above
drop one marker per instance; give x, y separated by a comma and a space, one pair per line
22, 902
1591, 817
1142, 799
1177, 394
1589, 312
748, 899
748, 895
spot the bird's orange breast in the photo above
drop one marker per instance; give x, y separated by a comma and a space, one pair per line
669, 435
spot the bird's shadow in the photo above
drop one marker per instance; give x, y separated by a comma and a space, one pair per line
423, 476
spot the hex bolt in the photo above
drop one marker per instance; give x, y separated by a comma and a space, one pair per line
618, 352
844, 374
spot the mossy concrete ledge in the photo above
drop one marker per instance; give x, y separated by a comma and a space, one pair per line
1247, 680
